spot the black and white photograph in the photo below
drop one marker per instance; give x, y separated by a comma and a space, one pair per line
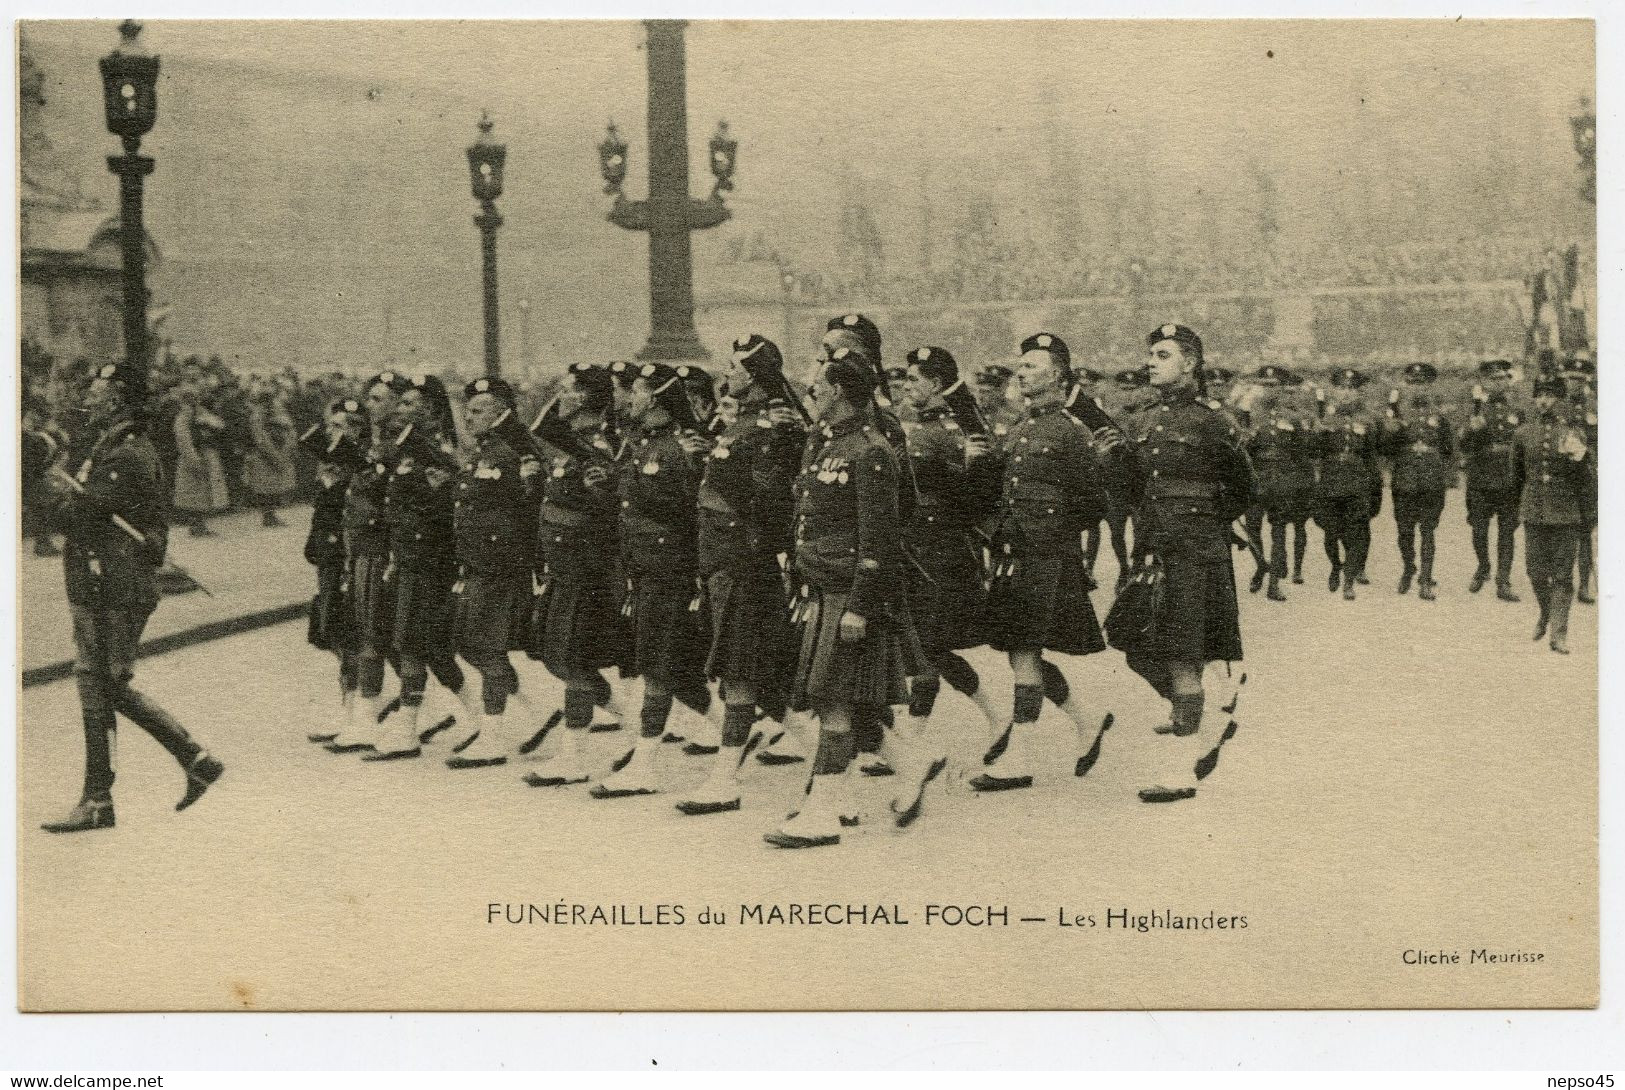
718, 515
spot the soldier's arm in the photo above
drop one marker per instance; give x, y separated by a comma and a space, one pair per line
124, 482
874, 475
1237, 484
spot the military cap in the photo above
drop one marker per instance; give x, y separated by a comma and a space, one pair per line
596, 383
1181, 335
496, 387
132, 377
1552, 384
1219, 374
397, 382
1272, 374
1420, 374
1087, 374
696, 380
1495, 367
896, 374
860, 326
1049, 342
666, 387
936, 364
1348, 378
852, 372
993, 374
1132, 378
757, 354
346, 406
624, 372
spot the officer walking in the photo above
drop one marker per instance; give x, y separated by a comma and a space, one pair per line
1418, 441
1347, 447
111, 512
1492, 486
1552, 457
1280, 444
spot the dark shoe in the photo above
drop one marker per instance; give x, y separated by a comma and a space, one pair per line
89, 814
1540, 629
1256, 582
1348, 588
1210, 760
1405, 578
203, 772
1297, 578
1092, 754
1585, 596
535, 741
781, 839
271, 522
911, 813
389, 709
1503, 591
427, 736
671, 737
1360, 578
1560, 644
353, 747
1275, 594
987, 781
695, 749
1166, 794
394, 755
1480, 577
320, 737
1425, 590
1334, 580
473, 762
1000, 744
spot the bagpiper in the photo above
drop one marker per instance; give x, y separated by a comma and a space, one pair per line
111, 512
1552, 458
1421, 449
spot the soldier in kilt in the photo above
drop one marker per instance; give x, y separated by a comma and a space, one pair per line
494, 520
366, 560
856, 647
112, 513
418, 506
658, 481
336, 444
745, 511
576, 628
1194, 480
1052, 489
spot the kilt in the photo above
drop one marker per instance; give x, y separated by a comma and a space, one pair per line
576, 627
874, 670
332, 623
1045, 605
372, 602
668, 638
425, 615
752, 640
945, 595
1199, 620
491, 614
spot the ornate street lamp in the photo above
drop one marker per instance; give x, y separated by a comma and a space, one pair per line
486, 158
130, 97
612, 161
723, 153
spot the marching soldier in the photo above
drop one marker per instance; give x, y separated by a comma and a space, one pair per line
1580, 375
337, 445
1051, 490
1194, 480
1281, 446
658, 482
1347, 446
1492, 487
493, 520
576, 627
856, 648
1551, 457
1422, 451
111, 511
946, 600
745, 515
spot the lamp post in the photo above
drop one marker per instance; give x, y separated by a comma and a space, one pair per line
524, 341
485, 161
669, 213
130, 97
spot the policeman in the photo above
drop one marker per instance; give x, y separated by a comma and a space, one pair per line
1051, 490
1551, 455
659, 478
1421, 449
1280, 444
493, 518
1492, 487
111, 512
576, 625
336, 444
856, 648
1194, 480
1347, 446
745, 515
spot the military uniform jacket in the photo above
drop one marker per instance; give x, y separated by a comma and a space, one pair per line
848, 537
954, 496
420, 516
1554, 482
1491, 465
1194, 477
103, 566
579, 523
1282, 451
1050, 485
1422, 452
659, 488
324, 545
493, 513
746, 508
366, 533
1347, 446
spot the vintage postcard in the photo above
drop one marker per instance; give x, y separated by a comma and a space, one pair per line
798, 515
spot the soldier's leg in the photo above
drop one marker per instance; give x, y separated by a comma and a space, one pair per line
1537, 564
1091, 548
1300, 542
1478, 519
1011, 758
1356, 544
1331, 519
1428, 526
1277, 555
498, 681
1506, 525
1405, 523
719, 791
91, 676
1587, 563
826, 805
1253, 522
1565, 544
962, 677
1186, 698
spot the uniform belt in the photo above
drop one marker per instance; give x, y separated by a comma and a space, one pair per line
555, 515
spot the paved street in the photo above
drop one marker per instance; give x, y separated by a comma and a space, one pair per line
1390, 752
